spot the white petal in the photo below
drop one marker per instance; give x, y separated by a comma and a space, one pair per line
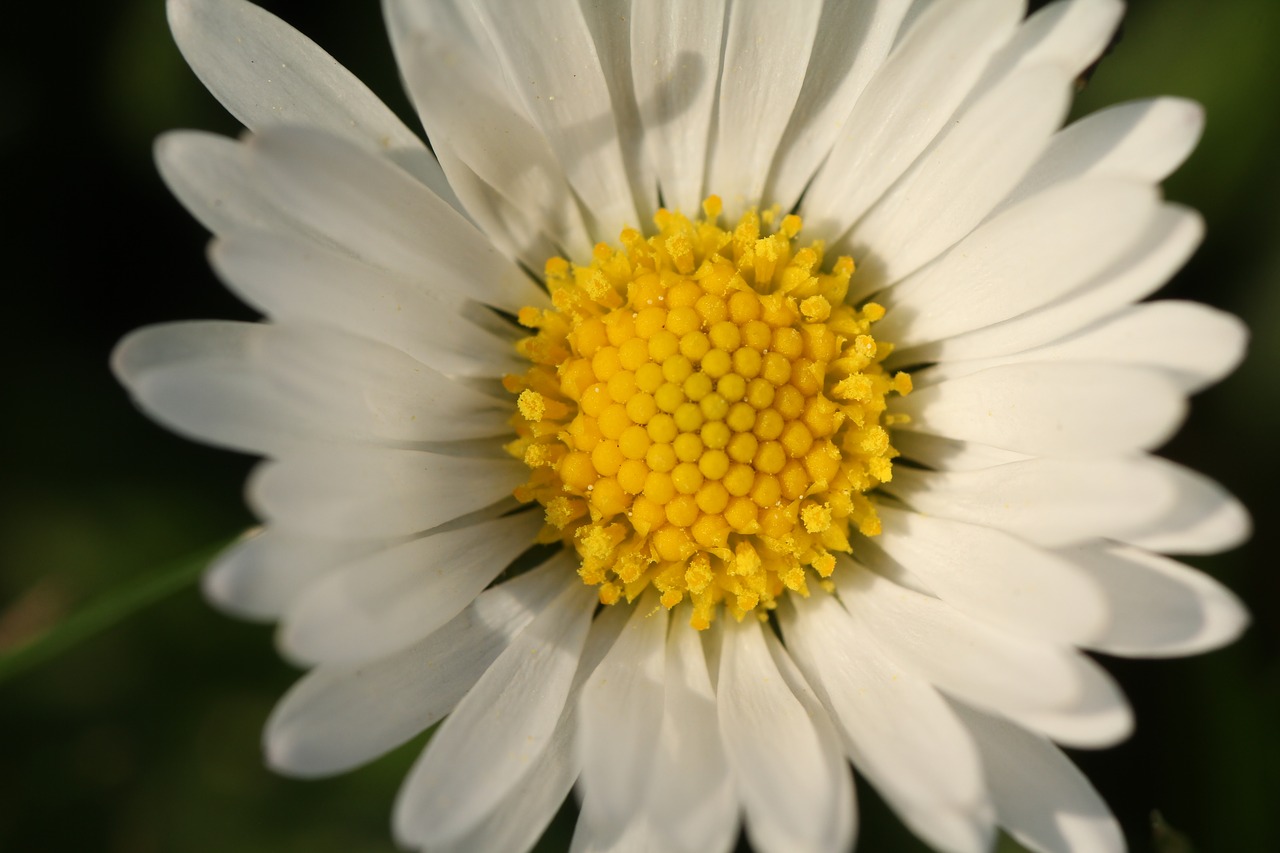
994, 576
1168, 241
675, 50
637, 836
265, 572
379, 604
564, 91
765, 56
469, 115
1159, 607
341, 715
1048, 501
1204, 519
263, 388
519, 819
494, 736
1051, 409
1069, 33
851, 44
611, 32
1101, 718
903, 737
905, 105
957, 654
519, 233
210, 175
266, 72
1193, 344
844, 823
623, 695
349, 492
949, 454
293, 280
786, 772
1027, 257
968, 169
516, 822
378, 214
691, 803
1040, 796
1141, 141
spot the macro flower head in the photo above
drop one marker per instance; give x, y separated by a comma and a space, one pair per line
736, 398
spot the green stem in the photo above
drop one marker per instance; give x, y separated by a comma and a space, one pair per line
105, 612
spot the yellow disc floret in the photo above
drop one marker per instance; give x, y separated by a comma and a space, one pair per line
704, 413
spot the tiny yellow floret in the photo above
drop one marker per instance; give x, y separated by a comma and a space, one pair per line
704, 413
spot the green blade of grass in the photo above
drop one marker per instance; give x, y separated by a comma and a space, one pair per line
106, 611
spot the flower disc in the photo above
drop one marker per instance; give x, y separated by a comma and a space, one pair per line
704, 413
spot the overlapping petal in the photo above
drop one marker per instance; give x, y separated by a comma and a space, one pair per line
1026, 523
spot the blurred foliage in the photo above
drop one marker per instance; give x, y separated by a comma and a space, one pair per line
146, 737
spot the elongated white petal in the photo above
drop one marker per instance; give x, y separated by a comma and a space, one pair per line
1165, 245
760, 45
1029, 256
675, 51
902, 736
519, 233
1068, 33
377, 213
296, 281
621, 718
1048, 501
993, 576
350, 492
851, 44
471, 120
611, 32
1204, 519
1100, 718
565, 92
264, 388
963, 174
520, 818
1052, 409
457, 20
1139, 141
691, 803
905, 105
513, 230
1193, 344
496, 733
637, 836
957, 654
341, 715
844, 823
783, 768
1158, 606
262, 574
517, 820
1041, 798
266, 72
381, 603
211, 176
950, 454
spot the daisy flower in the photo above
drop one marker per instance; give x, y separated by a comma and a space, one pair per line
734, 398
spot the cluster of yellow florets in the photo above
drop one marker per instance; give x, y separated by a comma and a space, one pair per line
704, 413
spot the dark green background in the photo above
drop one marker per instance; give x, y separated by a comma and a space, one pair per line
146, 738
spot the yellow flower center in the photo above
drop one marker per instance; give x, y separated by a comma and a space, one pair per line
704, 413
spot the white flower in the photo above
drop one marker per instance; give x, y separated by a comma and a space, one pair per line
706, 417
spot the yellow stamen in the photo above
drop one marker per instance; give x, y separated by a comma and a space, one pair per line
704, 413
